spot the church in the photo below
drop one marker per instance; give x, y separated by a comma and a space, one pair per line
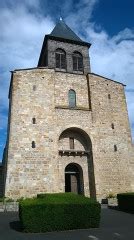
68, 128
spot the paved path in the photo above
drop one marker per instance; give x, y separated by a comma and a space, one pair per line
115, 225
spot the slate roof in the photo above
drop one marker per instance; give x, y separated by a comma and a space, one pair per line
61, 30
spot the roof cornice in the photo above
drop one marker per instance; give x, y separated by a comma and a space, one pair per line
94, 74
66, 40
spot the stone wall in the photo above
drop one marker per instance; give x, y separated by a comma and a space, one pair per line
112, 167
132, 167
69, 49
42, 169
1, 181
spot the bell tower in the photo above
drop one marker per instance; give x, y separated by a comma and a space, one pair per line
64, 51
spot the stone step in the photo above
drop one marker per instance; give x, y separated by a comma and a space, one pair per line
9, 207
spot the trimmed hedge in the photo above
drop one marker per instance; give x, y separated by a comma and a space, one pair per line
126, 202
55, 212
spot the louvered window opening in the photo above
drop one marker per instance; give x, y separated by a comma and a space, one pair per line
77, 62
60, 59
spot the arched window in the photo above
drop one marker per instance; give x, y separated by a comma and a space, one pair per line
72, 98
60, 58
77, 61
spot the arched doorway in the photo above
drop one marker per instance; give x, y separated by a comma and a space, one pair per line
74, 178
75, 146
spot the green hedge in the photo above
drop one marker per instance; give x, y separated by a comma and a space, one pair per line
54, 212
126, 202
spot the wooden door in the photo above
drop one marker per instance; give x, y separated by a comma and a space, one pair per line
74, 183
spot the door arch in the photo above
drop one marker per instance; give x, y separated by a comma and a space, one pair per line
73, 142
74, 179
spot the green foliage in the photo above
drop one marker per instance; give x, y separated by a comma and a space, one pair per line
8, 200
55, 212
2, 199
126, 201
20, 199
111, 195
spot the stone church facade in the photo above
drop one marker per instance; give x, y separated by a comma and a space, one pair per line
68, 128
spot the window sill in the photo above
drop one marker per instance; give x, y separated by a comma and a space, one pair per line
78, 72
60, 70
75, 108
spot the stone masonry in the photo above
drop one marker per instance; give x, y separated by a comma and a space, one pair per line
69, 48
99, 125
31, 171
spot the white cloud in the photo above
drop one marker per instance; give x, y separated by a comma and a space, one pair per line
78, 18
21, 38
114, 56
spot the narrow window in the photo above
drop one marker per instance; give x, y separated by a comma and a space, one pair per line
34, 87
115, 148
77, 61
60, 58
33, 144
109, 96
34, 120
72, 98
71, 142
112, 126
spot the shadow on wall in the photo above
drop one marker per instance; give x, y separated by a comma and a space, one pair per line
1, 181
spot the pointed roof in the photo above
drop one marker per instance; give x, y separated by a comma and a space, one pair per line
61, 30
63, 33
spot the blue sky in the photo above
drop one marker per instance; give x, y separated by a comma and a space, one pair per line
107, 24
